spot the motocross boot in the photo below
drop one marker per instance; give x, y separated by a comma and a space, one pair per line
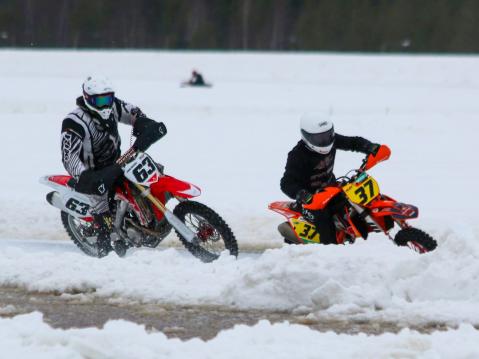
103, 224
120, 247
105, 242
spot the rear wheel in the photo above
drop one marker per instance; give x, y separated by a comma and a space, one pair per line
212, 231
83, 235
416, 239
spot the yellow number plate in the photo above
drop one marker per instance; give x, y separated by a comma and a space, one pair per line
305, 230
363, 192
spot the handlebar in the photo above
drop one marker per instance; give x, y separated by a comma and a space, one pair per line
369, 161
128, 155
362, 168
347, 178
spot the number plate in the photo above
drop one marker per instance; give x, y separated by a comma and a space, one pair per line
74, 203
142, 170
363, 192
305, 230
77, 206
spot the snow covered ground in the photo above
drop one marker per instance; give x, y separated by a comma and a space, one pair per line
232, 141
26, 336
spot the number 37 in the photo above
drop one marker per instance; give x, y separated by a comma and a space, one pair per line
361, 191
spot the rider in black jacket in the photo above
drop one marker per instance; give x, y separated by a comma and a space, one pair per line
309, 168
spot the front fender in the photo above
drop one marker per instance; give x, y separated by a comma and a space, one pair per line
397, 210
174, 186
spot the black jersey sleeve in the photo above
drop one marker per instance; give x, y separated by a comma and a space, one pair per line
292, 181
356, 144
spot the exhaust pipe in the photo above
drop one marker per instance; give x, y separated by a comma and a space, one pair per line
288, 234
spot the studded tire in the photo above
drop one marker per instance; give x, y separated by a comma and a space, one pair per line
185, 210
419, 239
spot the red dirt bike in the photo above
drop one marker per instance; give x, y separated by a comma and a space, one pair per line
365, 210
140, 217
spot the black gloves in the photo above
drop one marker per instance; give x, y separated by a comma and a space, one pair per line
98, 182
373, 148
304, 197
147, 132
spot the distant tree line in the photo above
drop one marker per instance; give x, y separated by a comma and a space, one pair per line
328, 25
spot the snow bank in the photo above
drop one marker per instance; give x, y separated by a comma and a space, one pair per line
372, 280
27, 336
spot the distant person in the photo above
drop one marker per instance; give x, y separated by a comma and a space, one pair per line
90, 145
196, 80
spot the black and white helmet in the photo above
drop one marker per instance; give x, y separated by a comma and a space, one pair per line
98, 94
317, 133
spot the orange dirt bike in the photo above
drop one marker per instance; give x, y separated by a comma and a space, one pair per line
365, 210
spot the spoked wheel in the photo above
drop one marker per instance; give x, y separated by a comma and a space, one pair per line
415, 239
213, 233
83, 235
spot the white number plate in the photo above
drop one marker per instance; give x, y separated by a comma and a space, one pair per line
142, 170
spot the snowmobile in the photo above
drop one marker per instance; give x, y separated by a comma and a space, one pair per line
196, 80
190, 84
363, 210
140, 215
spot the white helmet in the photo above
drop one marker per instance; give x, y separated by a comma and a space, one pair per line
98, 94
317, 133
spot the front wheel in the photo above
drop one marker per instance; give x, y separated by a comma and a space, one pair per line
214, 235
418, 240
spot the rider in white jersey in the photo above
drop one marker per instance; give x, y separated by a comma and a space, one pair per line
90, 145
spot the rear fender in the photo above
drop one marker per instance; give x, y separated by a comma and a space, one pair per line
283, 208
174, 186
66, 199
57, 182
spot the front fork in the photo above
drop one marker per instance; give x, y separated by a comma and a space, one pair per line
118, 233
182, 229
362, 212
120, 213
